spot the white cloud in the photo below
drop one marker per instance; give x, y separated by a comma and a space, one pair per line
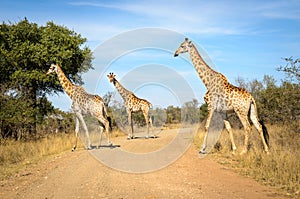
280, 9
194, 17
201, 18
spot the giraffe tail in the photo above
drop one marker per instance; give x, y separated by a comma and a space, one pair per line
107, 117
110, 123
264, 128
265, 132
151, 119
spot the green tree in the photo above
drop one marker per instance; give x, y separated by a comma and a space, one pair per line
173, 115
25, 49
291, 68
158, 116
275, 103
203, 111
280, 104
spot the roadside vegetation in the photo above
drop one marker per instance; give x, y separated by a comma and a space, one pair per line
17, 155
279, 169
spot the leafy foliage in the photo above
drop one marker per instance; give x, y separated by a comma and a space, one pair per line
203, 111
292, 68
173, 115
280, 104
276, 103
25, 48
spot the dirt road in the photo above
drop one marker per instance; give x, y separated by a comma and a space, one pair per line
81, 175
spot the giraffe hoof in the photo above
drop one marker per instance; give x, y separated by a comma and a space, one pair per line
233, 151
202, 151
73, 148
268, 152
243, 152
111, 146
89, 148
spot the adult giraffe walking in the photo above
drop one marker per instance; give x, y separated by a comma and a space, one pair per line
132, 104
232, 98
82, 103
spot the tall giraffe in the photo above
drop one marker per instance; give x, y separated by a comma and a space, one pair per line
83, 103
132, 104
224, 96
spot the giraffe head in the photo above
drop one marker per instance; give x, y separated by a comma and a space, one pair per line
184, 47
52, 69
111, 77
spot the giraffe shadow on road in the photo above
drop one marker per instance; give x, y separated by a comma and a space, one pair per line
145, 137
105, 146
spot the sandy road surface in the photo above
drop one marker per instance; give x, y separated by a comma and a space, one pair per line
81, 175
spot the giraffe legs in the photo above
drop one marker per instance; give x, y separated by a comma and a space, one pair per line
229, 130
76, 134
100, 138
227, 126
151, 124
80, 118
148, 121
247, 127
106, 125
207, 123
258, 126
130, 135
245, 122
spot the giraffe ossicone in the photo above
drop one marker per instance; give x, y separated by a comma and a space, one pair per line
84, 103
223, 96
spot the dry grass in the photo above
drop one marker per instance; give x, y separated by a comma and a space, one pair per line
15, 155
280, 169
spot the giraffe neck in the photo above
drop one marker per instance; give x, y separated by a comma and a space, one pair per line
123, 91
207, 74
65, 82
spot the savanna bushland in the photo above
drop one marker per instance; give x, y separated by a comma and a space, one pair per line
31, 129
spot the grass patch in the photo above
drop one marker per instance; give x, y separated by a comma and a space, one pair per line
15, 155
280, 169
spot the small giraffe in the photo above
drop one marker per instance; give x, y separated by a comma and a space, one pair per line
132, 104
84, 103
224, 96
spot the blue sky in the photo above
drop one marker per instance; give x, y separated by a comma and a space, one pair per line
237, 38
